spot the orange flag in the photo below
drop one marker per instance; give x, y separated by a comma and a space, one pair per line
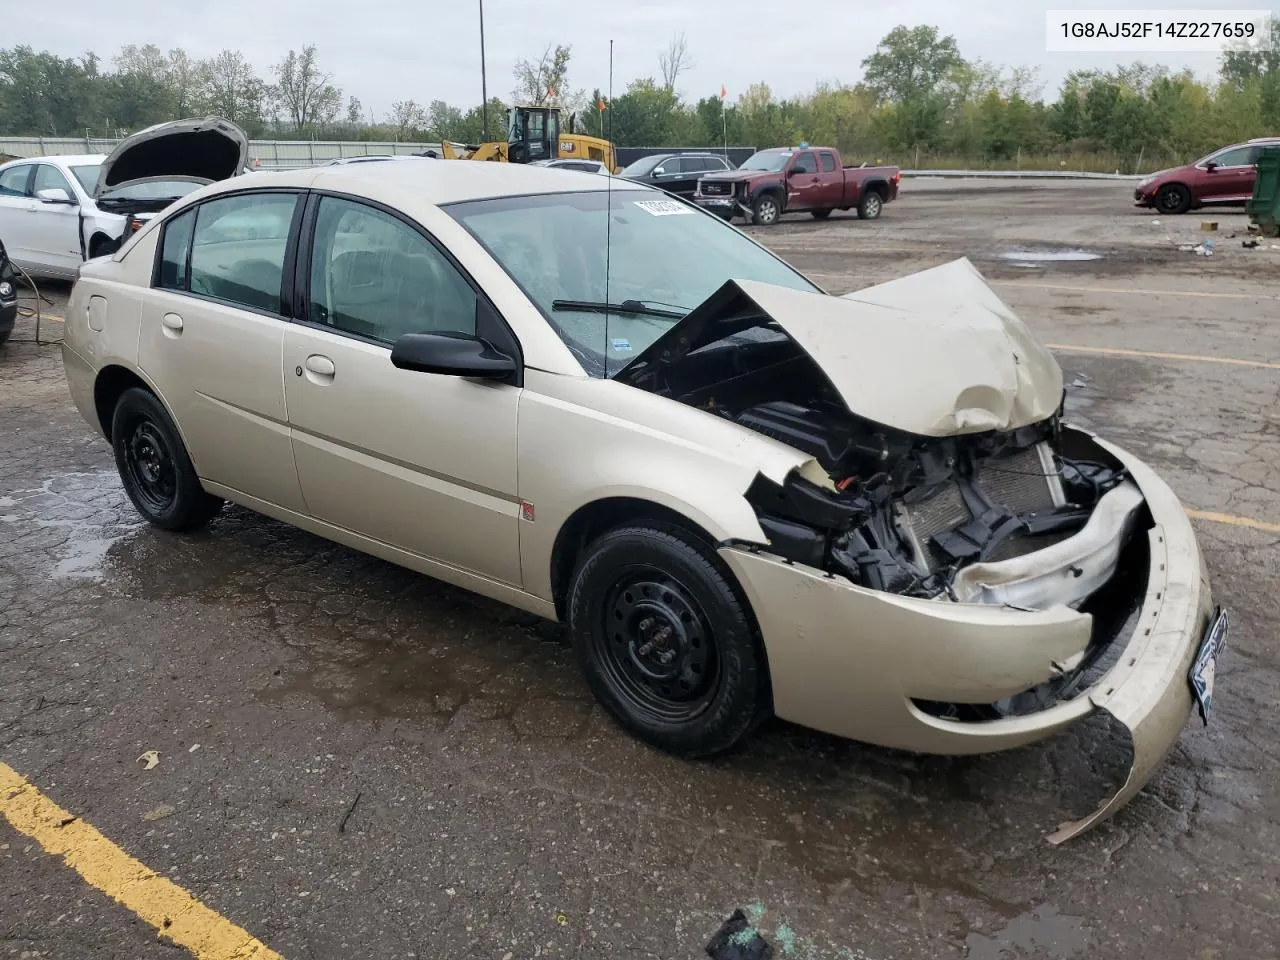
601, 104
723, 92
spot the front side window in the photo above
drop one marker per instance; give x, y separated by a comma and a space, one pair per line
1238, 157
375, 276
49, 177
806, 163
665, 254
13, 182
238, 248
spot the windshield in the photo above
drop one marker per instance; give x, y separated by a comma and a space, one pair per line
664, 254
642, 167
153, 190
769, 161
87, 174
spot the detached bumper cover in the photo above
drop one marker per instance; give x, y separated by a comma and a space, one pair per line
850, 661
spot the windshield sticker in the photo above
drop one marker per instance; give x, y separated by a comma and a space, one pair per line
663, 208
622, 346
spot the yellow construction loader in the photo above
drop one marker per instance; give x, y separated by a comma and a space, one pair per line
533, 133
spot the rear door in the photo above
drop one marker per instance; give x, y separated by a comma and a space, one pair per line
804, 183
831, 191
424, 462
212, 339
16, 208
54, 232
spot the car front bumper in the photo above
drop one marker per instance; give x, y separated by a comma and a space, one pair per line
1144, 197
909, 650
724, 206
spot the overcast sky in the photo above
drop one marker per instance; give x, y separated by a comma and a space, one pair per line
387, 50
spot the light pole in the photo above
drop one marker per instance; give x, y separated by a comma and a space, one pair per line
484, 86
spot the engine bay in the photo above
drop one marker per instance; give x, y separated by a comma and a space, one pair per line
904, 513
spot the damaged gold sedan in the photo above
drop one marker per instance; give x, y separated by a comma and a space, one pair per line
744, 496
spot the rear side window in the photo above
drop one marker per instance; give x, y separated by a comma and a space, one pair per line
828, 162
238, 248
175, 248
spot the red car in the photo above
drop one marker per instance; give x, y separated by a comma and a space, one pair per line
1223, 177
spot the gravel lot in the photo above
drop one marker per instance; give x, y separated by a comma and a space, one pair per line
499, 814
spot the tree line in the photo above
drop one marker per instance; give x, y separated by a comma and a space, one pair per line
919, 102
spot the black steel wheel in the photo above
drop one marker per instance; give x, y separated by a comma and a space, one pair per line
666, 642
154, 466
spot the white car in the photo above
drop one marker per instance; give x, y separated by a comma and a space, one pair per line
371, 158
583, 166
57, 212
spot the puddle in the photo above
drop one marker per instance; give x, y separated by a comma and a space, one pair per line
71, 520
1032, 257
1043, 929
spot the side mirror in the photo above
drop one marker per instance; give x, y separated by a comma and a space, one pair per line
54, 195
660, 172
1211, 166
451, 354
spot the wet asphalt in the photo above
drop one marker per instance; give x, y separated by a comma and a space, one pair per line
357, 761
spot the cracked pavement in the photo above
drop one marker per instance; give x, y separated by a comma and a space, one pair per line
355, 760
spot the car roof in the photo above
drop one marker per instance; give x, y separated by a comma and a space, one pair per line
446, 181
68, 159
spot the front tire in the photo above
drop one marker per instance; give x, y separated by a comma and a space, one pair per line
667, 643
1173, 199
154, 466
766, 210
870, 206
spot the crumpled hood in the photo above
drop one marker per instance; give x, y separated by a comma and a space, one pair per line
202, 150
935, 353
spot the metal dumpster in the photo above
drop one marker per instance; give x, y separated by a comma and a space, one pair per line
1264, 206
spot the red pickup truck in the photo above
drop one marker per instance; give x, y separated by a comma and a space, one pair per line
791, 179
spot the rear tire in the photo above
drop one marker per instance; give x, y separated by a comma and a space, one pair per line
819, 214
870, 206
667, 643
766, 210
154, 465
1173, 199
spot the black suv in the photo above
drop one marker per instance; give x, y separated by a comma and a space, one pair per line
8, 295
676, 173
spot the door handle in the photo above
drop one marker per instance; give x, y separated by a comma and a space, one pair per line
320, 369
172, 324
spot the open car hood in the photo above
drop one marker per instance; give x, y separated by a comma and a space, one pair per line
201, 150
934, 353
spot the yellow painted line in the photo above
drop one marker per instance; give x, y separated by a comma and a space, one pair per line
1202, 294
174, 912
1156, 355
1234, 520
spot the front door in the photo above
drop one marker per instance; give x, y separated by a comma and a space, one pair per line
55, 228
422, 461
804, 185
212, 337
